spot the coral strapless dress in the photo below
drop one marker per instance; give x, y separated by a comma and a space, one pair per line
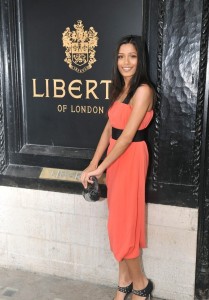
126, 189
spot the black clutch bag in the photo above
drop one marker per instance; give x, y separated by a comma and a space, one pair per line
92, 192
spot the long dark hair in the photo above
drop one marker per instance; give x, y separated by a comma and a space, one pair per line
141, 75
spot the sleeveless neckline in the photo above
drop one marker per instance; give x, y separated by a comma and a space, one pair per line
128, 104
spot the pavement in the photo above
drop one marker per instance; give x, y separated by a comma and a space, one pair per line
23, 285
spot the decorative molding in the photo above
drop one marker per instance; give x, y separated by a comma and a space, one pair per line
161, 14
200, 99
201, 163
3, 161
2, 136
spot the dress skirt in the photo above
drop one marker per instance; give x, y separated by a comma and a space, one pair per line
126, 178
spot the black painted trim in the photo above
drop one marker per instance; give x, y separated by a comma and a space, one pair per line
24, 176
3, 75
200, 110
28, 177
201, 166
170, 194
161, 15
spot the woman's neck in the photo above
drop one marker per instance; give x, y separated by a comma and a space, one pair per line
127, 83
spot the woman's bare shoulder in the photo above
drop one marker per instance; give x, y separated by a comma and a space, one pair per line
144, 93
144, 90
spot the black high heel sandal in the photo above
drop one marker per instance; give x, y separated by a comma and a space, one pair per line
146, 292
126, 290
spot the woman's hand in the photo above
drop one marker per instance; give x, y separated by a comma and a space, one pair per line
87, 173
84, 177
90, 168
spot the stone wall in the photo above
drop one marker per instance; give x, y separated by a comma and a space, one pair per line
62, 234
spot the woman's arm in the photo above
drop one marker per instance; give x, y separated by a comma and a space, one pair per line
142, 102
103, 144
101, 147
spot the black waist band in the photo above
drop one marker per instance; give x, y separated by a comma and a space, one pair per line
139, 136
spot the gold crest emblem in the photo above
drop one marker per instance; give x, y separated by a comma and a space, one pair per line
80, 44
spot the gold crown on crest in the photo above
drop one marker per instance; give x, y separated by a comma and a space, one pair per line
80, 44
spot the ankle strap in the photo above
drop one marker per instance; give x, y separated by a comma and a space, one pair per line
146, 291
127, 289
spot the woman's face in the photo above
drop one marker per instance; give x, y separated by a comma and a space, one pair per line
127, 60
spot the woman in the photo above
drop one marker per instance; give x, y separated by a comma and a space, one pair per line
130, 112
